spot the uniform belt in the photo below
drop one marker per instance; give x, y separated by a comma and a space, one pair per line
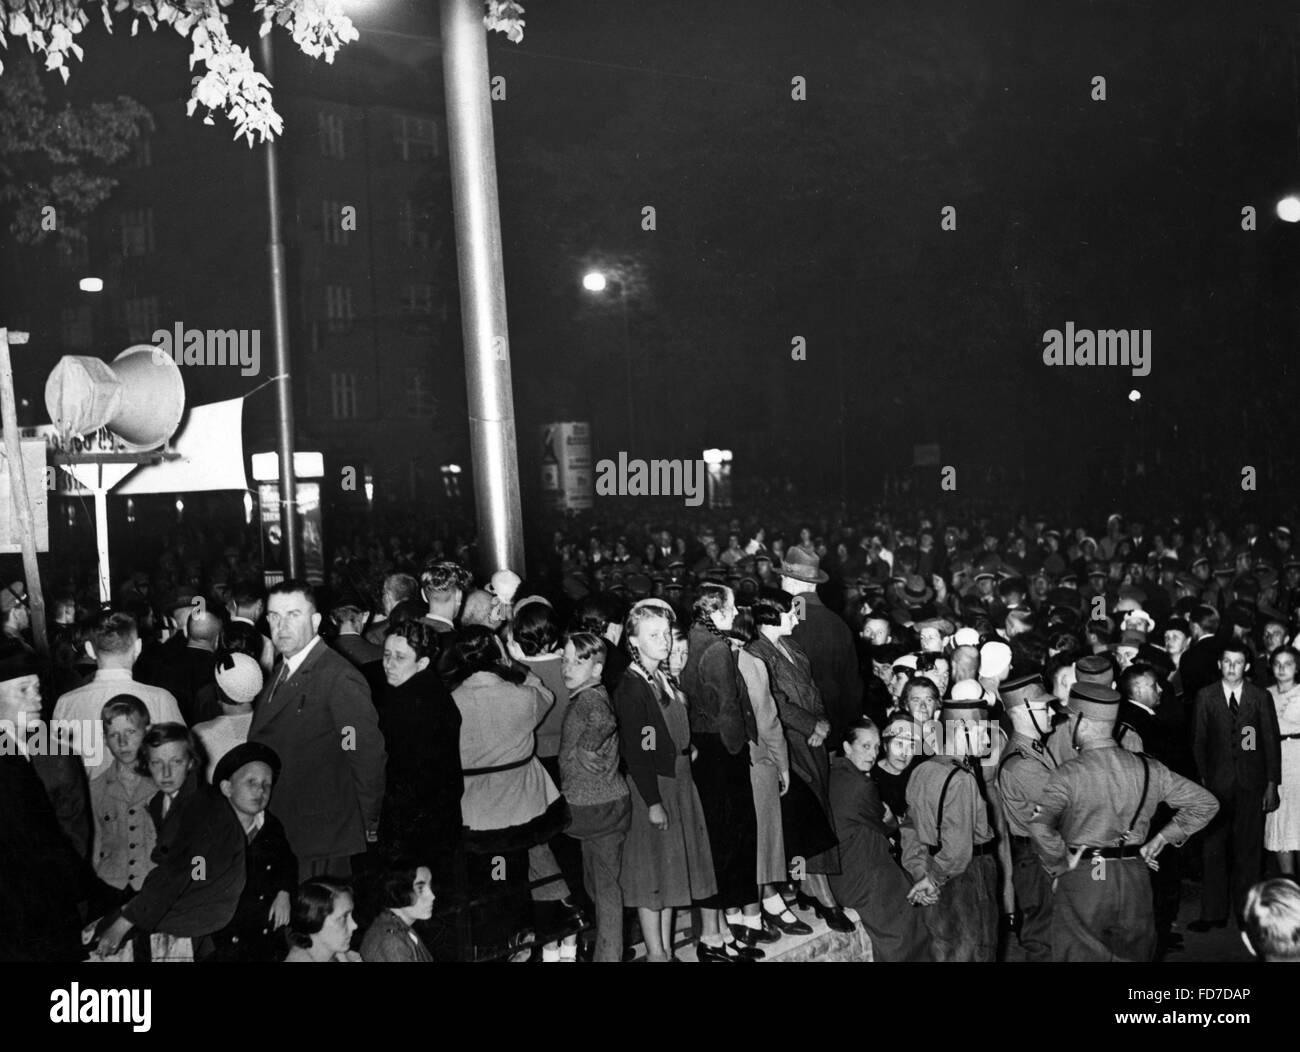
1021, 841
686, 751
986, 848
1109, 852
1288, 737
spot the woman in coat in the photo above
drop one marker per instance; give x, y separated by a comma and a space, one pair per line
810, 840
420, 722
666, 859
870, 881
722, 728
510, 803
769, 774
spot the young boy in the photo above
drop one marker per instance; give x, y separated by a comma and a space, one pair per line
597, 793
245, 776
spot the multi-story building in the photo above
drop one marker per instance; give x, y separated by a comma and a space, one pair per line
376, 364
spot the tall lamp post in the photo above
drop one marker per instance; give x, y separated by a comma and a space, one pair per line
596, 282
280, 328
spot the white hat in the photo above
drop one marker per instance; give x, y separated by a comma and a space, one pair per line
908, 661
967, 690
239, 678
966, 637
995, 659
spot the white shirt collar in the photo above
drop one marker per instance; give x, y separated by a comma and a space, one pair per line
1144, 708
1239, 690
296, 661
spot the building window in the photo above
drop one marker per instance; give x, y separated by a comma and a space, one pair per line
419, 394
332, 231
414, 139
338, 308
142, 318
412, 225
74, 326
417, 309
137, 232
343, 396
331, 135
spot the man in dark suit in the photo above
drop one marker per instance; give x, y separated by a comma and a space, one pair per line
1239, 755
42, 877
316, 713
1199, 666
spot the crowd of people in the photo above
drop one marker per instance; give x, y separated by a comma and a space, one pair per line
940, 741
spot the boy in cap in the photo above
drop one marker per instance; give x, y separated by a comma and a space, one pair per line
1021, 778
245, 776
1091, 832
948, 842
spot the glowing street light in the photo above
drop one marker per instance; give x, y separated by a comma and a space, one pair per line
594, 281
1288, 209
97, 284
1135, 395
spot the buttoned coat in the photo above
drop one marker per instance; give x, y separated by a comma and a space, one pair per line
1236, 753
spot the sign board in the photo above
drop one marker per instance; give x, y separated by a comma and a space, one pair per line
568, 481
34, 466
310, 535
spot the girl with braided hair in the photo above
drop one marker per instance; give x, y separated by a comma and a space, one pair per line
666, 859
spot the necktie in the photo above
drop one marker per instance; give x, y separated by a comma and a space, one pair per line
167, 804
280, 677
1232, 703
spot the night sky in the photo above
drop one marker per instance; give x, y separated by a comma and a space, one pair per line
821, 218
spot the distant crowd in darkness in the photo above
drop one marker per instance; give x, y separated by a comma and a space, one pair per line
920, 740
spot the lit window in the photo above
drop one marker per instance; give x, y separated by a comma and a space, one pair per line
343, 395
414, 138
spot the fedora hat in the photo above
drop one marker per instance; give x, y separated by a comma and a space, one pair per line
916, 590
802, 565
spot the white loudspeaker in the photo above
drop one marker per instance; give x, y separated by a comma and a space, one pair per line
140, 396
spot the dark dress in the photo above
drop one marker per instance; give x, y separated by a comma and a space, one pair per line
421, 819
805, 808
670, 867
870, 881
718, 703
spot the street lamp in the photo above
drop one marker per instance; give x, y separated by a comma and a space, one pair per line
1288, 209
91, 284
596, 282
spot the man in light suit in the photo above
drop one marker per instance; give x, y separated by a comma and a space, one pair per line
1239, 756
316, 713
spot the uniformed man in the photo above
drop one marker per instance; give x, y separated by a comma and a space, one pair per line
1091, 833
1097, 669
948, 842
1022, 777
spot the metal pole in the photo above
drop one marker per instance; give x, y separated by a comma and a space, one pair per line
627, 354
101, 544
280, 342
482, 286
13, 446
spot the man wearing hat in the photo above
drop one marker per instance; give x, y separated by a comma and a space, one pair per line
827, 641
948, 841
14, 616
245, 776
41, 874
1091, 831
1021, 777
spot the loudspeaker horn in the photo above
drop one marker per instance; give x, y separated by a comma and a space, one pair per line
139, 397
